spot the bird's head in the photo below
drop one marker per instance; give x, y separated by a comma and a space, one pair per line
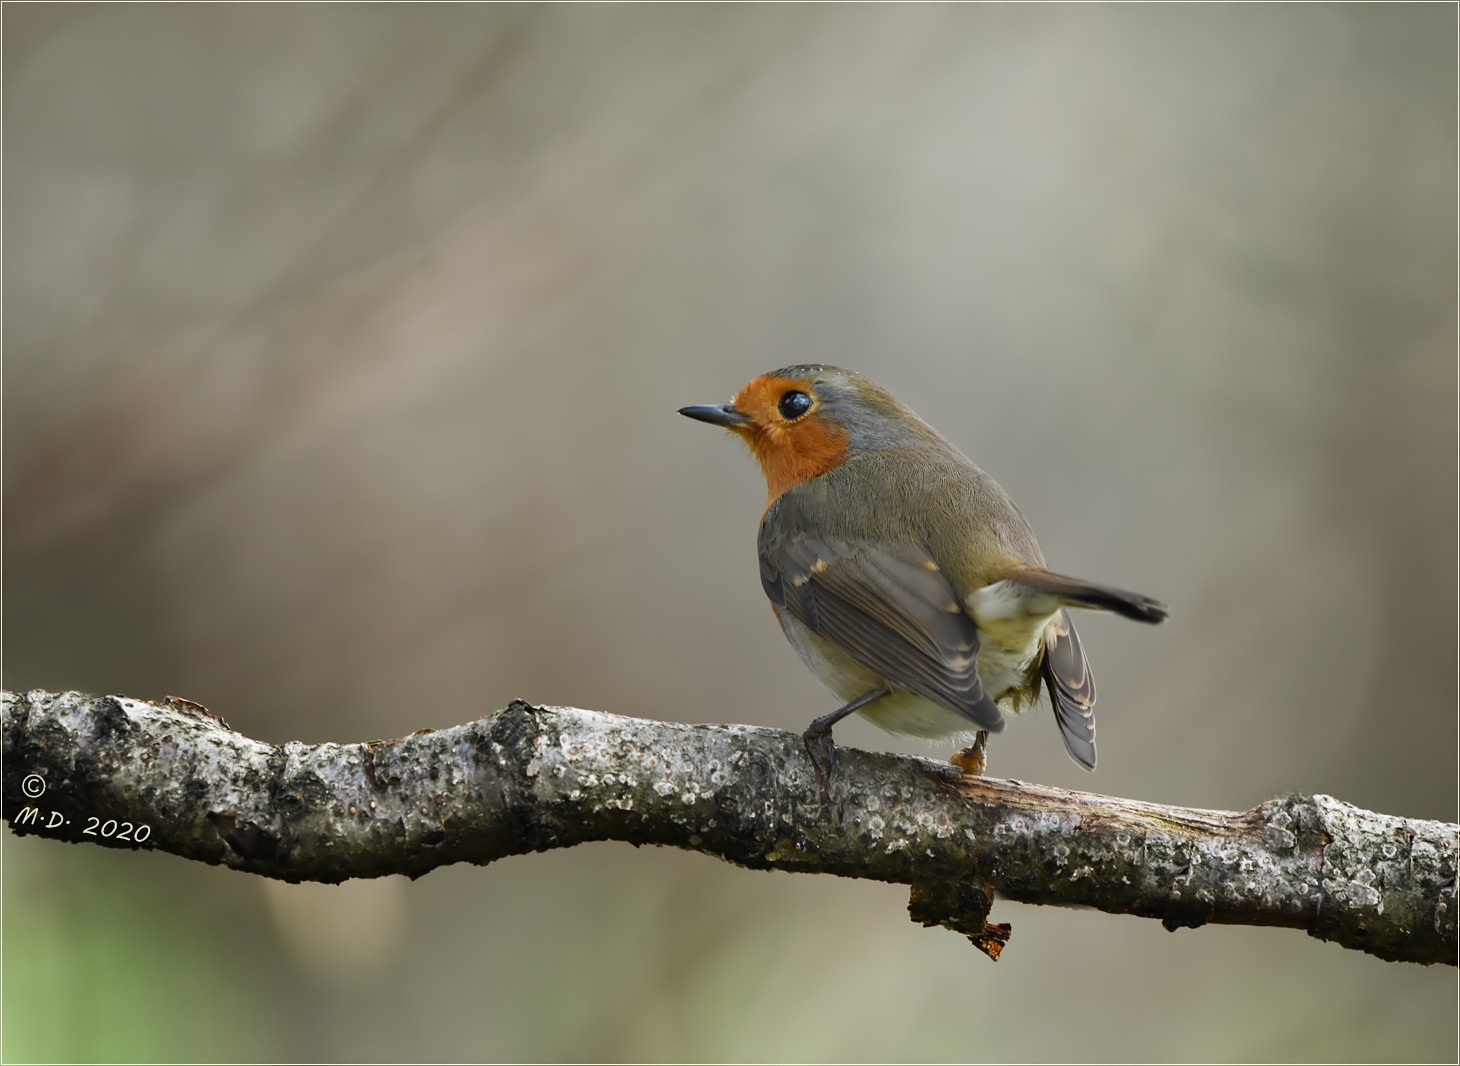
801, 421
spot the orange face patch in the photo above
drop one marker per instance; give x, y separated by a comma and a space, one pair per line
789, 450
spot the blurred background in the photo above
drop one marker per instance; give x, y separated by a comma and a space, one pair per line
342, 351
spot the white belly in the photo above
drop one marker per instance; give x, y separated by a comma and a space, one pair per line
910, 715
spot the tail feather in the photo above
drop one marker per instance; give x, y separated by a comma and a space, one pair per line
1071, 689
1073, 592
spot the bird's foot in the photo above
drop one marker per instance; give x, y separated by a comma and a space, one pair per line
819, 744
973, 760
822, 750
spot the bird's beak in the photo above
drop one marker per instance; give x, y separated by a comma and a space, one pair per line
723, 414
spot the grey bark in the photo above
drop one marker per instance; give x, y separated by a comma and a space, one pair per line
84, 768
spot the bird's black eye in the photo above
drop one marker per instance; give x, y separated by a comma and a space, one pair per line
794, 404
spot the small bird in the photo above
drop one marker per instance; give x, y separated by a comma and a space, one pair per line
903, 575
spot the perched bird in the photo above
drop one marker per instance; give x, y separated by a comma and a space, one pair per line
902, 574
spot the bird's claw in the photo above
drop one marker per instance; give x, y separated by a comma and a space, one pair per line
822, 751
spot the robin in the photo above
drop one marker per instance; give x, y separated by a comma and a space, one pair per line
903, 575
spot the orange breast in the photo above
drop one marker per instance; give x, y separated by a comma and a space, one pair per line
805, 450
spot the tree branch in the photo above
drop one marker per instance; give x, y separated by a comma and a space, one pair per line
173, 777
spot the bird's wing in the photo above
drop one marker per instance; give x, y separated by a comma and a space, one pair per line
889, 608
1071, 689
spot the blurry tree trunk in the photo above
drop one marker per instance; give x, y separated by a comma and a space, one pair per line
173, 777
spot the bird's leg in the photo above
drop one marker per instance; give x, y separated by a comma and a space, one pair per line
972, 760
818, 733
